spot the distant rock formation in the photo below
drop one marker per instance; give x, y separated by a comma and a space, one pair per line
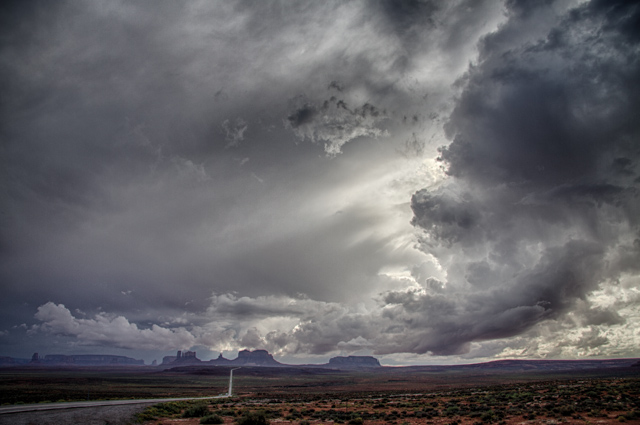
262, 358
220, 361
168, 360
353, 362
188, 357
10, 361
256, 358
248, 358
89, 360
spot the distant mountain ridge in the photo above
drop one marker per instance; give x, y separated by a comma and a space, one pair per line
262, 358
534, 365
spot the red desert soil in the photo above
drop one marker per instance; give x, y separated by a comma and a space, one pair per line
585, 402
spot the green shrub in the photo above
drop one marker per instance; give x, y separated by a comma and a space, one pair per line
212, 419
197, 411
253, 418
356, 421
452, 411
487, 416
160, 410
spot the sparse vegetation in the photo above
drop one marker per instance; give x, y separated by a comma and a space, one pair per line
197, 411
162, 410
601, 401
212, 419
253, 418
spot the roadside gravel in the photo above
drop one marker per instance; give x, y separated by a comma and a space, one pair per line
100, 415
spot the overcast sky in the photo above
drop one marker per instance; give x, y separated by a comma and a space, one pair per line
422, 181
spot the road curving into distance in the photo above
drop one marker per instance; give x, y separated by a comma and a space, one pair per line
80, 404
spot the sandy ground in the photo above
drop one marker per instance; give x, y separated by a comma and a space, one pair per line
101, 415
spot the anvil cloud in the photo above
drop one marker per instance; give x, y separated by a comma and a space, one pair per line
425, 181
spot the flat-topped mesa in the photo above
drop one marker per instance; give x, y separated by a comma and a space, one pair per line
256, 358
187, 357
353, 362
87, 360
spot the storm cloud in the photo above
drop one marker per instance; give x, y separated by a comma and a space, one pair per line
540, 170
424, 181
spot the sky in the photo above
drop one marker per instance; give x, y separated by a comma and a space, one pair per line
427, 182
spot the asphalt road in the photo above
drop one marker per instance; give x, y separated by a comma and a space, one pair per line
80, 404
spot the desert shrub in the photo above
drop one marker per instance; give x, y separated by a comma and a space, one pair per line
274, 413
487, 416
160, 410
304, 422
356, 421
293, 415
197, 411
212, 419
566, 411
452, 411
632, 415
253, 418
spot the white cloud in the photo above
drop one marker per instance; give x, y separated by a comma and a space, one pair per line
110, 330
234, 132
335, 124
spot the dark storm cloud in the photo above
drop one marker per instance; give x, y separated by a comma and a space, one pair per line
233, 175
446, 321
145, 162
548, 111
302, 116
413, 22
445, 218
543, 160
